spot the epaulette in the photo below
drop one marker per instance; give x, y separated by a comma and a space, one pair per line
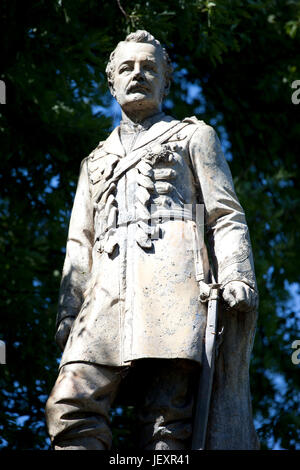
193, 120
98, 152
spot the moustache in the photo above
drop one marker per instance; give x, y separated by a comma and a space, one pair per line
137, 87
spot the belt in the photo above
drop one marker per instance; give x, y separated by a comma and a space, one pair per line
160, 215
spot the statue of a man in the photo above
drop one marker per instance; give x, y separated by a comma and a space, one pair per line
135, 258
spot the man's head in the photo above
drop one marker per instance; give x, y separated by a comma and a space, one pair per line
139, 72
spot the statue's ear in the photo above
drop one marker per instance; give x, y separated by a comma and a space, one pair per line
167, 87
111, 88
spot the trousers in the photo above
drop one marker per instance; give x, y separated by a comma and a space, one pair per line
163, 391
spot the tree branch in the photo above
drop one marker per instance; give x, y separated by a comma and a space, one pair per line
122, 9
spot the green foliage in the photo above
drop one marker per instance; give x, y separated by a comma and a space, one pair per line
243, 57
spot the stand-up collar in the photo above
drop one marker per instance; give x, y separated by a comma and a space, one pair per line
154, 126
129, 127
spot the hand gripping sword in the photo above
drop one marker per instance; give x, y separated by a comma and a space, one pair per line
208, 293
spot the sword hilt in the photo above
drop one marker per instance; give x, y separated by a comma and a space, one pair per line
208, 291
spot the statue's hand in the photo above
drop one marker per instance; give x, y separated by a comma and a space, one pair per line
63, 332
240, 296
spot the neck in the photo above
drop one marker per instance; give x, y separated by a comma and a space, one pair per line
139, 115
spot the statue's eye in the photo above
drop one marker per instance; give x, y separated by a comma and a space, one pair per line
125, 68
150, 67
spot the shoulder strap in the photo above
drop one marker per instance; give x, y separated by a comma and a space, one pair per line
134, 157
193, 120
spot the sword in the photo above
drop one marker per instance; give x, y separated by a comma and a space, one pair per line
208, 293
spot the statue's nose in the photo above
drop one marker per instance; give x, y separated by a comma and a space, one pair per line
137, 73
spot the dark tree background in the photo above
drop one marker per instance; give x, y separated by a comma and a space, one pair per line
235, 62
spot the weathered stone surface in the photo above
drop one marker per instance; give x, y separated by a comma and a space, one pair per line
136, 253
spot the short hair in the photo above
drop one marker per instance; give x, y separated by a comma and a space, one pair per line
141, 36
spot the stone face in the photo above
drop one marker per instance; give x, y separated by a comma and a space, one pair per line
136, 253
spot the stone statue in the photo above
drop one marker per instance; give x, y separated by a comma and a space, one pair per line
136, 256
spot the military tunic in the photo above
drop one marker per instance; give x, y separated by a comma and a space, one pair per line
133, 285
